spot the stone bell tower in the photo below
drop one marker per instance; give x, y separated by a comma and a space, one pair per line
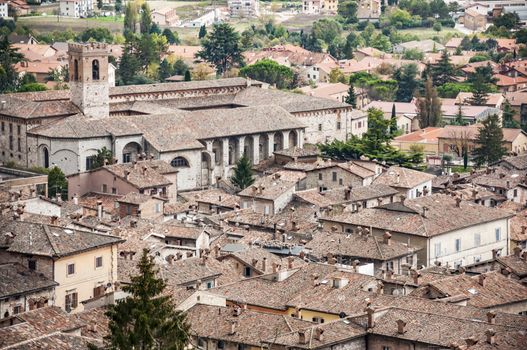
88, 65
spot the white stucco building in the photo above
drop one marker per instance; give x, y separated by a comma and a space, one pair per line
76, 8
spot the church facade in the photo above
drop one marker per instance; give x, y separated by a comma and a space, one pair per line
201, 128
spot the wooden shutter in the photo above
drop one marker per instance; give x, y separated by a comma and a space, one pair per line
74, 300
98, 291
68, 301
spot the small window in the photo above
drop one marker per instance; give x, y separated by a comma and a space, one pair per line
334, 176
437, 249
127, 157
11, 143
18, 129
104, 188
32, 264
90, 162
210, 284
19, 145
179, 162
98, 262
247, 271
515, 193
17, 309
114, 190
10, 128
340, 182
497, 233
338, 126
319, 127
221, 344
71, 301
477, 239
386, 348
458, 244
3, 127
320, 176
70, 269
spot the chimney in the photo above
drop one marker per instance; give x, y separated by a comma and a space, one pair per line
416, 276
315, 281
517, 251
219, 198
425, 209
170, 259
330, 259
386, 238
491, 317
54, 220
99, 210
481, 280
400, 326
355, 263
471, 341
75, 199
3, 104
389, 274
133, 223
495, 253
204, 258
254, 262
458, 202
403, 198
264, 264
319, 334
275, 267
290, 262
370, 311
233, 328
295, 227
127, 174
302, 338
397, 178
347, 193
334, 228
491, 336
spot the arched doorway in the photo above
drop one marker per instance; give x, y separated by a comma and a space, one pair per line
278, 141
45, 157
264, 147
130, 152
217, 149
293, 139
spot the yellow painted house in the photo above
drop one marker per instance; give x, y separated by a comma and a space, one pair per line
84, 264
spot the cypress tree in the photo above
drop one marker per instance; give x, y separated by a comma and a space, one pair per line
243, 174
202, 32
443, 71
188, 77
429, 107
351, 99
148, 318
489, 142
393, 121
508, 117
458, 118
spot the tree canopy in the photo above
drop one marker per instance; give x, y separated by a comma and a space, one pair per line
221, 47
489, 142
271, 72
243, 174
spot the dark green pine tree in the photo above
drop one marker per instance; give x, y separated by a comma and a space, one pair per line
489, 142
443, 71
165, 70
146, 19
393, 121
188, 77
480, 92
202, 32
508, 117
351, 99
243, 174
148, 318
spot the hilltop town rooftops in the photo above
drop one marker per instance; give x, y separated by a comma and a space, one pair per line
400, 177
338, 195
442, 216
17, 279
355, 245
50, 241
269, 187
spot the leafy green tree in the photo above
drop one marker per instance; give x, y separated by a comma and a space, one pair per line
378, 134
413, 54
509, 20
146, 19
32, 87
243, 174
271, 72
348, 10
130, 17
98, 34
118, 6
429, 107
172, 37
188, 77
57, 183
99, 4
327, 30
521, 36
180, 67
147, 319
508, 117
9, 56
451, 90
129, 68
407, 81
480, 92
351, 98
222, 48
443, 71
104, 155
202, 32
489, 142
